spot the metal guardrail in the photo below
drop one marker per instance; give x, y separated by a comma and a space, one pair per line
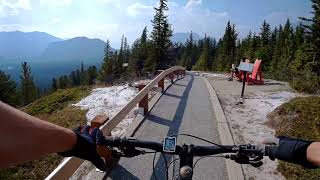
71, 164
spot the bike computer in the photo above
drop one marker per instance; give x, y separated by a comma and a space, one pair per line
169, 144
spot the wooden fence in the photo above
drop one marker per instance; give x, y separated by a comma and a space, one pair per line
71, 164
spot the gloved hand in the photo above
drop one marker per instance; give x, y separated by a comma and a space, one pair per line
289, 150
85, 147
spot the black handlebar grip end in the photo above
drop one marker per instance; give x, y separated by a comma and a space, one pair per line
270, 151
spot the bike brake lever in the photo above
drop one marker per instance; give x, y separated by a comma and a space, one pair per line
255, 163
131, 152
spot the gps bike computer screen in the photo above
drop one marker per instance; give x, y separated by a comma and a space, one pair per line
169, 144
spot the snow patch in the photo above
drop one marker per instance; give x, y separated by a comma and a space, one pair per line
106, 101
264, 103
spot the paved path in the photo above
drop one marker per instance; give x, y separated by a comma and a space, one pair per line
184, 108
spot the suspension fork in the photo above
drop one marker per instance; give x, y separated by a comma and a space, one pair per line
186, 162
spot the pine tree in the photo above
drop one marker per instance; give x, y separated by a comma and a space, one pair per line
263, 51
248, 44
91, 75
139, 54
54, 85
126, 51
277, 51
8, 92
28, 88
160, 38
106, 71
286, 52
212, 53
63, 82
144, 35
203, 62
227, 49
119, 62
188, 54
134, 69
82, 68
313, 34
78, 77
82, 74
300, 56
73, 78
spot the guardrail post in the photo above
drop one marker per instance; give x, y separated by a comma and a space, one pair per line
144, 102
99, 120
161, 84
171, 76
176, 73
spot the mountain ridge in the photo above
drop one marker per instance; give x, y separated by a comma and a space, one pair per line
18, 44
181, 37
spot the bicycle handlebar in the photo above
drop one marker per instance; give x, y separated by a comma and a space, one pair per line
126, 147
197, 150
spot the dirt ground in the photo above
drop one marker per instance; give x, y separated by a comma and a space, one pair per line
247, 121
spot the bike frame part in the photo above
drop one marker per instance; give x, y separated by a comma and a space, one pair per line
186, 162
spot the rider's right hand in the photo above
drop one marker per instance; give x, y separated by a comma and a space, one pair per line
289, 150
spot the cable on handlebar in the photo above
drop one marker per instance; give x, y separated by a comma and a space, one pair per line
166, 163
173, 162
196, 137
153, 166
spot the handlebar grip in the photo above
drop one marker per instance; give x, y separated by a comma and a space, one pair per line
267, 150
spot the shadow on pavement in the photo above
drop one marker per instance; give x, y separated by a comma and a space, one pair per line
159, 120
173, 128
179, 84
171, 95
120, 173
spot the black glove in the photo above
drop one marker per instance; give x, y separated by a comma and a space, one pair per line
290, 150
85, 147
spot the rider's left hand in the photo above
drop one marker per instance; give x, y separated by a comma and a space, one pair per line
85, 148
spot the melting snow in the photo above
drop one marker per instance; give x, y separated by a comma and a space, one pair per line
106, 100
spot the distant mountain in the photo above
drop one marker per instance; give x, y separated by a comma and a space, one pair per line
75, 49
17, 44
182, 37
47, 55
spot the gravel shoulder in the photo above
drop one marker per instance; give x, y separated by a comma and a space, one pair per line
247, 121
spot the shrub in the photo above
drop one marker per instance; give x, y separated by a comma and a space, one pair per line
298, 118
306, 81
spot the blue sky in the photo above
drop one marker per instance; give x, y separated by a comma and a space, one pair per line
109, 19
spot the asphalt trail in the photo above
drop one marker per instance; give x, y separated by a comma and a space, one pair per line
184, 108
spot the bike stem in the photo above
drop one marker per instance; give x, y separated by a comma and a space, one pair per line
186, 162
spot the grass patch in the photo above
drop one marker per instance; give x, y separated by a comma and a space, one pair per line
57, 100
54, 108
298, 118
